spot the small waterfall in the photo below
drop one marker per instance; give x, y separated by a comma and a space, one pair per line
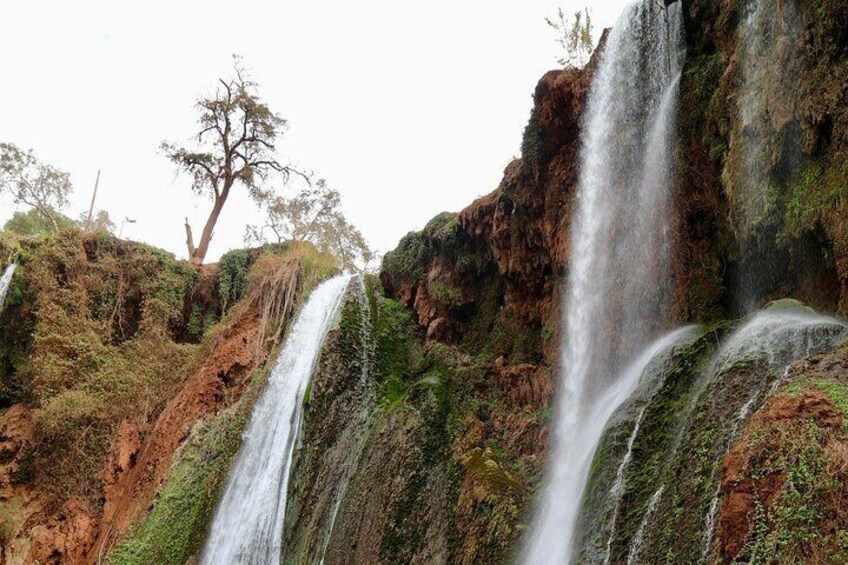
367, 342
583, 452
619, 284
618, 487
765, 146
777, 336
248, 523
5, 281
639, 538
709, 525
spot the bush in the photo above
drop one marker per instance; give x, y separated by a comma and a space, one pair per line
233, 270
409, 260
531, 142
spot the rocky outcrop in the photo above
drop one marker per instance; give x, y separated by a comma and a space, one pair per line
336, 427
136, 469
499, 261
784, 484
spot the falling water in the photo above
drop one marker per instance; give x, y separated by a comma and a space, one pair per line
765, 147
594, 421
777, 336
618, 487
639, 538
248, 523
367, 345
5, 281
620, 283
709, 523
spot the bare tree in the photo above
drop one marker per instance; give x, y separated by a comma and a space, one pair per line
236, 145
574, 36
42, 187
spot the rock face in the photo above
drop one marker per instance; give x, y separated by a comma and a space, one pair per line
784, 482
512, 243
426, 442
488, 280
335, 431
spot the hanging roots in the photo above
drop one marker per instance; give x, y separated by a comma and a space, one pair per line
273, 289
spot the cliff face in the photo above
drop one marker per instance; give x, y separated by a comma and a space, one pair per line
118, 417
426, 431
487, 282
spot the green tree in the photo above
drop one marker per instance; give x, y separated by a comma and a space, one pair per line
574, 36
33, 222
235, 145
40, 186
101, 222
314, 215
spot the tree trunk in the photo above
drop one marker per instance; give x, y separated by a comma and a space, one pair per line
189, 240
208, 230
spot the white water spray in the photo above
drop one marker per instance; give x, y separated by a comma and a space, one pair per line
248, 524
575, 474
619, 280
5, 281
777, 336
639, 538
617, 489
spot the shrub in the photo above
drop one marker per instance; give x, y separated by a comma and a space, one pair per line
409, 260
233, 270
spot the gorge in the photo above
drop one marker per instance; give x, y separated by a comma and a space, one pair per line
632, 351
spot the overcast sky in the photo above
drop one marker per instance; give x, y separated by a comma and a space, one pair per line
409, 109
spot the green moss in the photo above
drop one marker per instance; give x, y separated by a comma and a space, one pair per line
233, 270
446, 294
818, 188
785, 531
838, 393
531, 141
443, 229
398, 355
176, 527
409, 261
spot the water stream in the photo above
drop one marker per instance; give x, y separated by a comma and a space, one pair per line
777, 336
617, 489
5, 281
248, 523
619, 286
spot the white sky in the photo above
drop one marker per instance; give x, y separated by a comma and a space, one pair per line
409, 109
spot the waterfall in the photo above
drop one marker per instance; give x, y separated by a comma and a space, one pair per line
639, 538
619, 283
5, 281
571, 484
367, 343
248, 523
765, 145
777, 336
618, 487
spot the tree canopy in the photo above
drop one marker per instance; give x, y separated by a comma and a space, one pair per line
235, 145
41, 187
314, 215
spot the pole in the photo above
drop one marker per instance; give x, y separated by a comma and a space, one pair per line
93, 198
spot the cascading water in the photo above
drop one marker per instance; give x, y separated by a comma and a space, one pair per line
618, 487
367, 353
639, 538
248, 523
581, 454
777, 336
764, 147
620, 283
5, 281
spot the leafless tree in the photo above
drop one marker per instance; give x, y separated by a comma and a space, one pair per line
236, 145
